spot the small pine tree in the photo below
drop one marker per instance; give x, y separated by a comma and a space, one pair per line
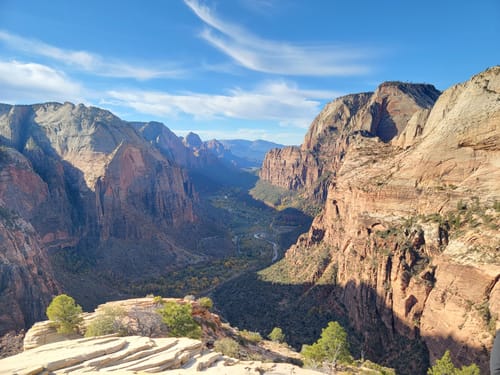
444, 366
65, 314
277, 335
179, 320
331, 347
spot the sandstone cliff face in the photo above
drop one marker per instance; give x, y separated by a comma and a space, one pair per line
383, 114
76, 149
27, 282
78, 180
409, 233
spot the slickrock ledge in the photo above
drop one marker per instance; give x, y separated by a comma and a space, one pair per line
134, 355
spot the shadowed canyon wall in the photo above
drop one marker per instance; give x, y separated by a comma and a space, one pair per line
79, 182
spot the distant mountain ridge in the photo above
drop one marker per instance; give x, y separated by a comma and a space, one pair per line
238, 153
253, 151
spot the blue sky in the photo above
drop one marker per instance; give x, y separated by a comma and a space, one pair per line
254, 69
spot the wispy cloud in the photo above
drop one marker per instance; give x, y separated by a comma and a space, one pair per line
275, 57
87, 61
22, 82
276, 101
261, 7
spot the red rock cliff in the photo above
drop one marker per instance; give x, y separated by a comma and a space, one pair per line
78, 180
27, 282
410, 228
383, 114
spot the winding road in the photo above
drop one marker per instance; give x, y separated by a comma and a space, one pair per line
261, 236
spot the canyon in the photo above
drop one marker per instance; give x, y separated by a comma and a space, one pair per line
404, 249
91, 204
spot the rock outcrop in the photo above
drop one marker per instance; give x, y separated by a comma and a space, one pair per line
409, 237
137, 316
133, 354
146, 347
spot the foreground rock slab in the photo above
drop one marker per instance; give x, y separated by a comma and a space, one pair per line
135, 355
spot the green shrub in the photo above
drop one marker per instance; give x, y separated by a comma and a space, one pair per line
444, 366
179, 320
253, 337
206, 302
65, 314
375, 366
107, 322
277, 335
228, 347
331, 347
158, 300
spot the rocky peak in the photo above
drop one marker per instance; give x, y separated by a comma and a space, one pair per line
193, 140
169, 144
394, 103
334, 118
215, 145
383, 114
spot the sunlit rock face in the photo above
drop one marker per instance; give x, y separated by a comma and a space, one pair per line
409, 231
383, 114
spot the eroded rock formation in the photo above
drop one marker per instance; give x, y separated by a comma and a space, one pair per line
128, 355
384, 114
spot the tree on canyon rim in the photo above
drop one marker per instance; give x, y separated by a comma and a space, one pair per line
331, 347
65, 314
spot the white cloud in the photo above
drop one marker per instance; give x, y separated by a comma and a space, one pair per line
22, 82
86, 61
276, 57
275, 101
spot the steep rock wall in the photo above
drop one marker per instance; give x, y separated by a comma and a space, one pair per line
79, 185
409, 233
27, 282
383, 114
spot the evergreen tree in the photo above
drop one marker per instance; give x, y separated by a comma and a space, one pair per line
277, 335
206, 302
444, 366
65, 314
179, 320
331, 347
